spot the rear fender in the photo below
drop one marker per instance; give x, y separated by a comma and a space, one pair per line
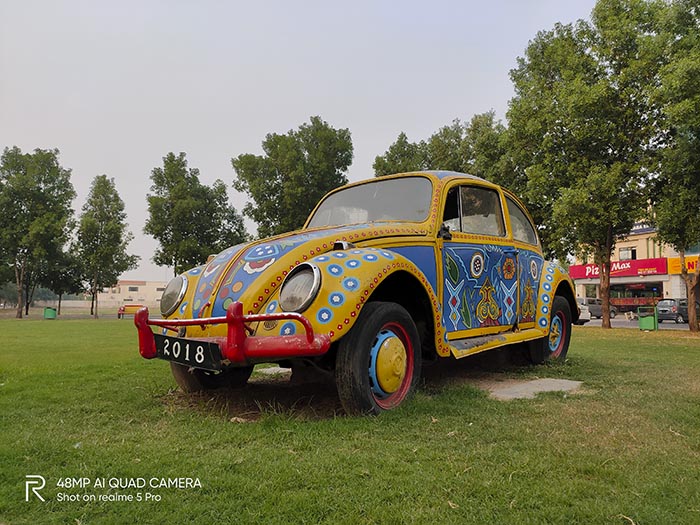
555, 281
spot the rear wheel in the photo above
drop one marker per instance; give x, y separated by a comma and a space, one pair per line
679, 319
379, 360
195, 380
613, 313
555, 345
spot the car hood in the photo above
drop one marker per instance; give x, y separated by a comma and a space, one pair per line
252, 272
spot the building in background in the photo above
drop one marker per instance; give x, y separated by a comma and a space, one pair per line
146, 293
642, 271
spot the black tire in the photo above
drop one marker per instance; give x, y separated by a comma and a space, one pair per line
661, 320
379, 361
679, 319
195, 380
555, 346
613, 313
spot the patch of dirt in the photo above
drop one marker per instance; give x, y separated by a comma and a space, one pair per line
274, 394
313, 396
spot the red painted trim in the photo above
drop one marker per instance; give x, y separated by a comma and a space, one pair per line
147, 343
237, 346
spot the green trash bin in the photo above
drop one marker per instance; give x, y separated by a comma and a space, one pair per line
648, 318
49, 313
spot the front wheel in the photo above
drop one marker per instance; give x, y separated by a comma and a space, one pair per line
613, 313
679, 319
195, 380
555, 345
379, 360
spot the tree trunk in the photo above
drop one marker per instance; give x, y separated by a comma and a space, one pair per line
95, 291
691, 286
19, 280
30, 295
26, 299
604, 267
59, 303
92, 301
605, 293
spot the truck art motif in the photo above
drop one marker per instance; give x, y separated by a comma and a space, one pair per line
385, 273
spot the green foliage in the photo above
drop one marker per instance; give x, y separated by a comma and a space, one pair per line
65, 273
677, 202
296, 170
102, 238
678, 206
478, 148
189, 219
584, 127
402, 157
35, 211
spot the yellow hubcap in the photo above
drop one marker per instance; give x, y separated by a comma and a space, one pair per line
554, 334
391, 364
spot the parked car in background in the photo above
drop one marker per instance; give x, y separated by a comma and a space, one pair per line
386, 273
675, 310
596, 307
584, 316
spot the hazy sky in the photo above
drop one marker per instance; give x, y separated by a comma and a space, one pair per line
117, 85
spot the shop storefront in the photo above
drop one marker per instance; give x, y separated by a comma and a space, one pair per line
633, 283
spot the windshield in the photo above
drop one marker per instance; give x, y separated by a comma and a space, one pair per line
405, 199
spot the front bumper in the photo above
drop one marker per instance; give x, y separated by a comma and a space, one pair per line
239, 347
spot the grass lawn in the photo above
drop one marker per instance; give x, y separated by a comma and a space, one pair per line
77, 401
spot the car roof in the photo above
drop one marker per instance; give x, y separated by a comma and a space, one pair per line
446, 174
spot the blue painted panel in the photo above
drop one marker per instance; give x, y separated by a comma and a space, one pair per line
480, 286
530, 269
424, 258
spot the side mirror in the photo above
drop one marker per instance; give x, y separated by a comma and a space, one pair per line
444, 232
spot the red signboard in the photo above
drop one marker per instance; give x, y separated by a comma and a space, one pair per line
621, 269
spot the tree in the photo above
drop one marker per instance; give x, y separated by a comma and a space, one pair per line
586, 129
487, 148
35, 211
296, 170
478, 148
677, 206
448, 150
401, 157
64, 275
103, 238
189, 219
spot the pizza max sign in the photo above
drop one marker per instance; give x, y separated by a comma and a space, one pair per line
621, 269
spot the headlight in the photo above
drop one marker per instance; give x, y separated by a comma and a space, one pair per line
173, 294
300, 288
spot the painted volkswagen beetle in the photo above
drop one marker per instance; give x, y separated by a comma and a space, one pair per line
385, 274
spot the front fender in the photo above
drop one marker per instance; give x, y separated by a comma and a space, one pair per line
348, 279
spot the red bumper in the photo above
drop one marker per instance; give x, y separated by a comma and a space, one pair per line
238, 346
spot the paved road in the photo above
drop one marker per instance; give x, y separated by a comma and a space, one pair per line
621, 322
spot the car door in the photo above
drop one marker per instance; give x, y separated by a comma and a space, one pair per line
480, 285
530, 262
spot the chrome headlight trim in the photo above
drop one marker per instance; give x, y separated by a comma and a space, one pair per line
169, 309
310, 294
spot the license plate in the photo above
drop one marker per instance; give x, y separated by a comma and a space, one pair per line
198, 354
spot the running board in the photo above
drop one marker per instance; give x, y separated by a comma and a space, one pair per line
474, 345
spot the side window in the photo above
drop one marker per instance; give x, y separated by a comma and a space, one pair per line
451, 216
521, 225
481, 211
